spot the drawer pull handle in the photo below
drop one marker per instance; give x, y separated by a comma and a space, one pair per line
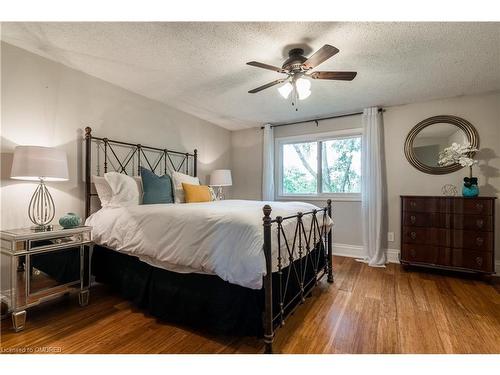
479, 261
73, 239
479, 206
413, 235
413, 204
413, 219
479, 241
479, 223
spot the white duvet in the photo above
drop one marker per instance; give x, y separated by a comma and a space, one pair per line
224, 238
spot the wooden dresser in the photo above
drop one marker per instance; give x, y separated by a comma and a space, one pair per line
448, 232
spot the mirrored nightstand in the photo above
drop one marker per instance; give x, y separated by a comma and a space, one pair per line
40, 265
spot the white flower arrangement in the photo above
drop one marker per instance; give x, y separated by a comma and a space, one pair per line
457, 154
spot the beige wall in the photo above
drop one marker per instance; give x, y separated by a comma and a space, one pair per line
246, 163
483, 111
46, 103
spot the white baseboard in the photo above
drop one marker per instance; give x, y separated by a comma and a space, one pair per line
350, 251
356, 251
393, 255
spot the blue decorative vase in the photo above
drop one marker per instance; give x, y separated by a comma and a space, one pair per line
70, 220
470, 188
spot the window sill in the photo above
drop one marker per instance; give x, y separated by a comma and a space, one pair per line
334, 198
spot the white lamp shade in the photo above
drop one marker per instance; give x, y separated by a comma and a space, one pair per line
36, 162
285, 90
221, 177
303, 88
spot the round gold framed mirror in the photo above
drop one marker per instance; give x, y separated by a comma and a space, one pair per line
431, 136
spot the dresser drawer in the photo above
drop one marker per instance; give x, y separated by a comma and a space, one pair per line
473, 206
473, 222
425, 219
421, 204
426, 254
419, 253
471, 259
427, 236
474, 240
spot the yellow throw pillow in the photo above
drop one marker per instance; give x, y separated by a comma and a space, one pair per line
196, 193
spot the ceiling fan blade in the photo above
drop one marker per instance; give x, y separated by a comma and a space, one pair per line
266, 66
341, 76
267, 85
321, 55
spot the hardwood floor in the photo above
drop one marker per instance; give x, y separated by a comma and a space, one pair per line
367, 310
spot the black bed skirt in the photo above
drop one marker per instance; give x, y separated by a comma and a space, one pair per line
195, 300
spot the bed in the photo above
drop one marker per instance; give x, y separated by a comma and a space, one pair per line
232, 267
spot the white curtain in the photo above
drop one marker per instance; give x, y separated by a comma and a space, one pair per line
372, 187
268, 164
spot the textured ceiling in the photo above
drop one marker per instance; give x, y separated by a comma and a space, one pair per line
200, 68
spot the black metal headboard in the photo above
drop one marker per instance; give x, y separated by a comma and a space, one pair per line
130, 161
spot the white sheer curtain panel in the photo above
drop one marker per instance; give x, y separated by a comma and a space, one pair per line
268, 164
372, 187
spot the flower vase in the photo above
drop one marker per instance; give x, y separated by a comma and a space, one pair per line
470, 188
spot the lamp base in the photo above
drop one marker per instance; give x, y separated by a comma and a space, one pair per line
42, 228
220, 193
41, 209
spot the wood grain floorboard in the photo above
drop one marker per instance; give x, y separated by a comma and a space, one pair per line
367, 310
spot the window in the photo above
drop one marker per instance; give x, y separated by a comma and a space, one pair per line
320, 166
300, 168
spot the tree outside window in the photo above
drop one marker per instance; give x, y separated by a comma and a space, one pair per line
340, 166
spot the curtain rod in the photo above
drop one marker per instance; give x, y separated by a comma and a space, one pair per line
320, 119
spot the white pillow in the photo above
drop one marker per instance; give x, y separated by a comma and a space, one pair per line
138, 180
125, 190
178, 179
103, 190
105, 193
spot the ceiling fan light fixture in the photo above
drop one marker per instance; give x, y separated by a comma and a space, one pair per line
303, 84
303, 87
285, 90
299, 71
304, 94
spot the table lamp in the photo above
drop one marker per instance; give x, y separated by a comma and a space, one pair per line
36, 163
220, 178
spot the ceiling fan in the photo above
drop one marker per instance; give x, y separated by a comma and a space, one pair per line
298, 69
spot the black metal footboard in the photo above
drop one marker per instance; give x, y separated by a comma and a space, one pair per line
303, 252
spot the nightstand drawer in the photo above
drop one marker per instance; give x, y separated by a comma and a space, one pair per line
57, 241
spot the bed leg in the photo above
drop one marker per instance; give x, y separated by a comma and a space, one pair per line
268, 282
88, 140
269, 348
329, 246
